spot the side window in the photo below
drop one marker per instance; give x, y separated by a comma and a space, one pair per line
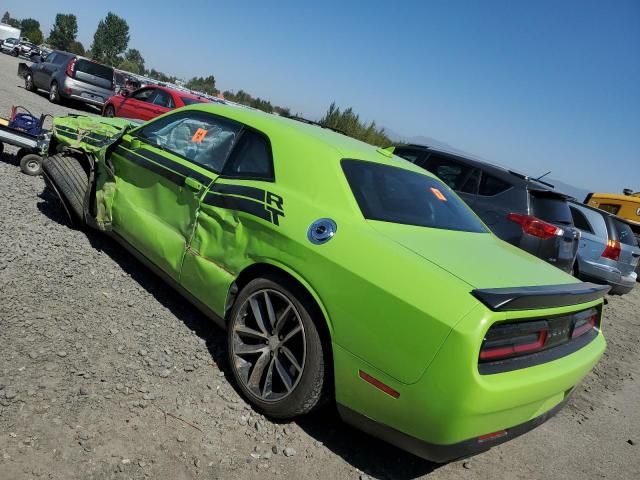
251, 158
408, 153
51, 58
144, 94
163, 99
196, 136
580, 221
471, 183
609, 207
449, 171
490, 185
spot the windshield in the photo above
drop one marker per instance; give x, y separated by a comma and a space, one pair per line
396, 195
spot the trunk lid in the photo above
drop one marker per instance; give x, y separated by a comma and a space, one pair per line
481, 260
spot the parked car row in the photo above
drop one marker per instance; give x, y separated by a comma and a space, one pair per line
532, 215
18, 47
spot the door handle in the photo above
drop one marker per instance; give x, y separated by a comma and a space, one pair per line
192, 184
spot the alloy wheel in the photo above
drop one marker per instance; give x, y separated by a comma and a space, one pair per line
268, 345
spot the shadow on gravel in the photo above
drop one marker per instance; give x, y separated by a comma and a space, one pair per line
65, 103
370, 455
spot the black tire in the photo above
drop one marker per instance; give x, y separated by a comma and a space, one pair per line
1, 148
71, 182
31, 164
109, 111
312, 384
14, 53
54, 93
28, 83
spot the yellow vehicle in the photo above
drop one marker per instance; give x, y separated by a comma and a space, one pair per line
626, 206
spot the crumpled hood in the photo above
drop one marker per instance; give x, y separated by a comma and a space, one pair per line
90, 133
481, 260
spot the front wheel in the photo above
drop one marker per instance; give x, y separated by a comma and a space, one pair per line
70, 182
28, 82
275, 350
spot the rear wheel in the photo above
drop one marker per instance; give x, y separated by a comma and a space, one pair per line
54, 94
28, 83
70, 181
109, 111
31, 164
275, 350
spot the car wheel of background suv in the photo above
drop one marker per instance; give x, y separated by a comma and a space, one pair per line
54, 94
28, 83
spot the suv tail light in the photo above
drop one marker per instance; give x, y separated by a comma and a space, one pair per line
536, 227
612, 250
71, 67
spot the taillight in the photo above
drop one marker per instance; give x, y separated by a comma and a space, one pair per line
71, 67
504, 341
612, 250
536, 227
583, 325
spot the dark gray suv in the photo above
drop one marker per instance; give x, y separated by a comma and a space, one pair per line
68, 76
525, 212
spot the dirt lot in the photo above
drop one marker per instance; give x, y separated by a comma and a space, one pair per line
106, 373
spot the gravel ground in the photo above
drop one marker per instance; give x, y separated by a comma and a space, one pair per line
105, 372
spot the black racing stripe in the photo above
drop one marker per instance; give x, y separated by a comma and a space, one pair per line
251, 192
93, 135
151, 166
236, 203
178, 167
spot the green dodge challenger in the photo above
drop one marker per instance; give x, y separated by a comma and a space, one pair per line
341, 273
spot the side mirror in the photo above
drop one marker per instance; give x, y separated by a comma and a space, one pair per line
124, 92
135, 143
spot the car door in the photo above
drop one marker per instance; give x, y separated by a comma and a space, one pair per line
240, 210
137, 105
161, 102
162, 170
42, 71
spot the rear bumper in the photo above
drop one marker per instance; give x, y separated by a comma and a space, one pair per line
440, 453
621, 283
443, 414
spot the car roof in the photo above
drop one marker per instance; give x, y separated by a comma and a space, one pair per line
180, 93
336, 146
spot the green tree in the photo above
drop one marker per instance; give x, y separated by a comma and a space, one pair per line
64, 31
203, 84
76, 47
31, 30
129, 66
134, 57
14, 22
111, 39
349, 123
6, 17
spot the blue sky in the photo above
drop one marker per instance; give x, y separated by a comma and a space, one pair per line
538, 86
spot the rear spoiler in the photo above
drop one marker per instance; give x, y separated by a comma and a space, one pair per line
545, 296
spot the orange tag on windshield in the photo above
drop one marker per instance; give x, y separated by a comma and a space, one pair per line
199, 135
438, 194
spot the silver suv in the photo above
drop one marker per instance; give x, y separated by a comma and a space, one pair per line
608, 251
68, 76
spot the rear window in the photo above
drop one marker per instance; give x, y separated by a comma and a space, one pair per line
95, 69
551, 209
608, 207
625, 234
392, 194
191, 101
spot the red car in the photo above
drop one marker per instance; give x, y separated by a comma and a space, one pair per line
148, 102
